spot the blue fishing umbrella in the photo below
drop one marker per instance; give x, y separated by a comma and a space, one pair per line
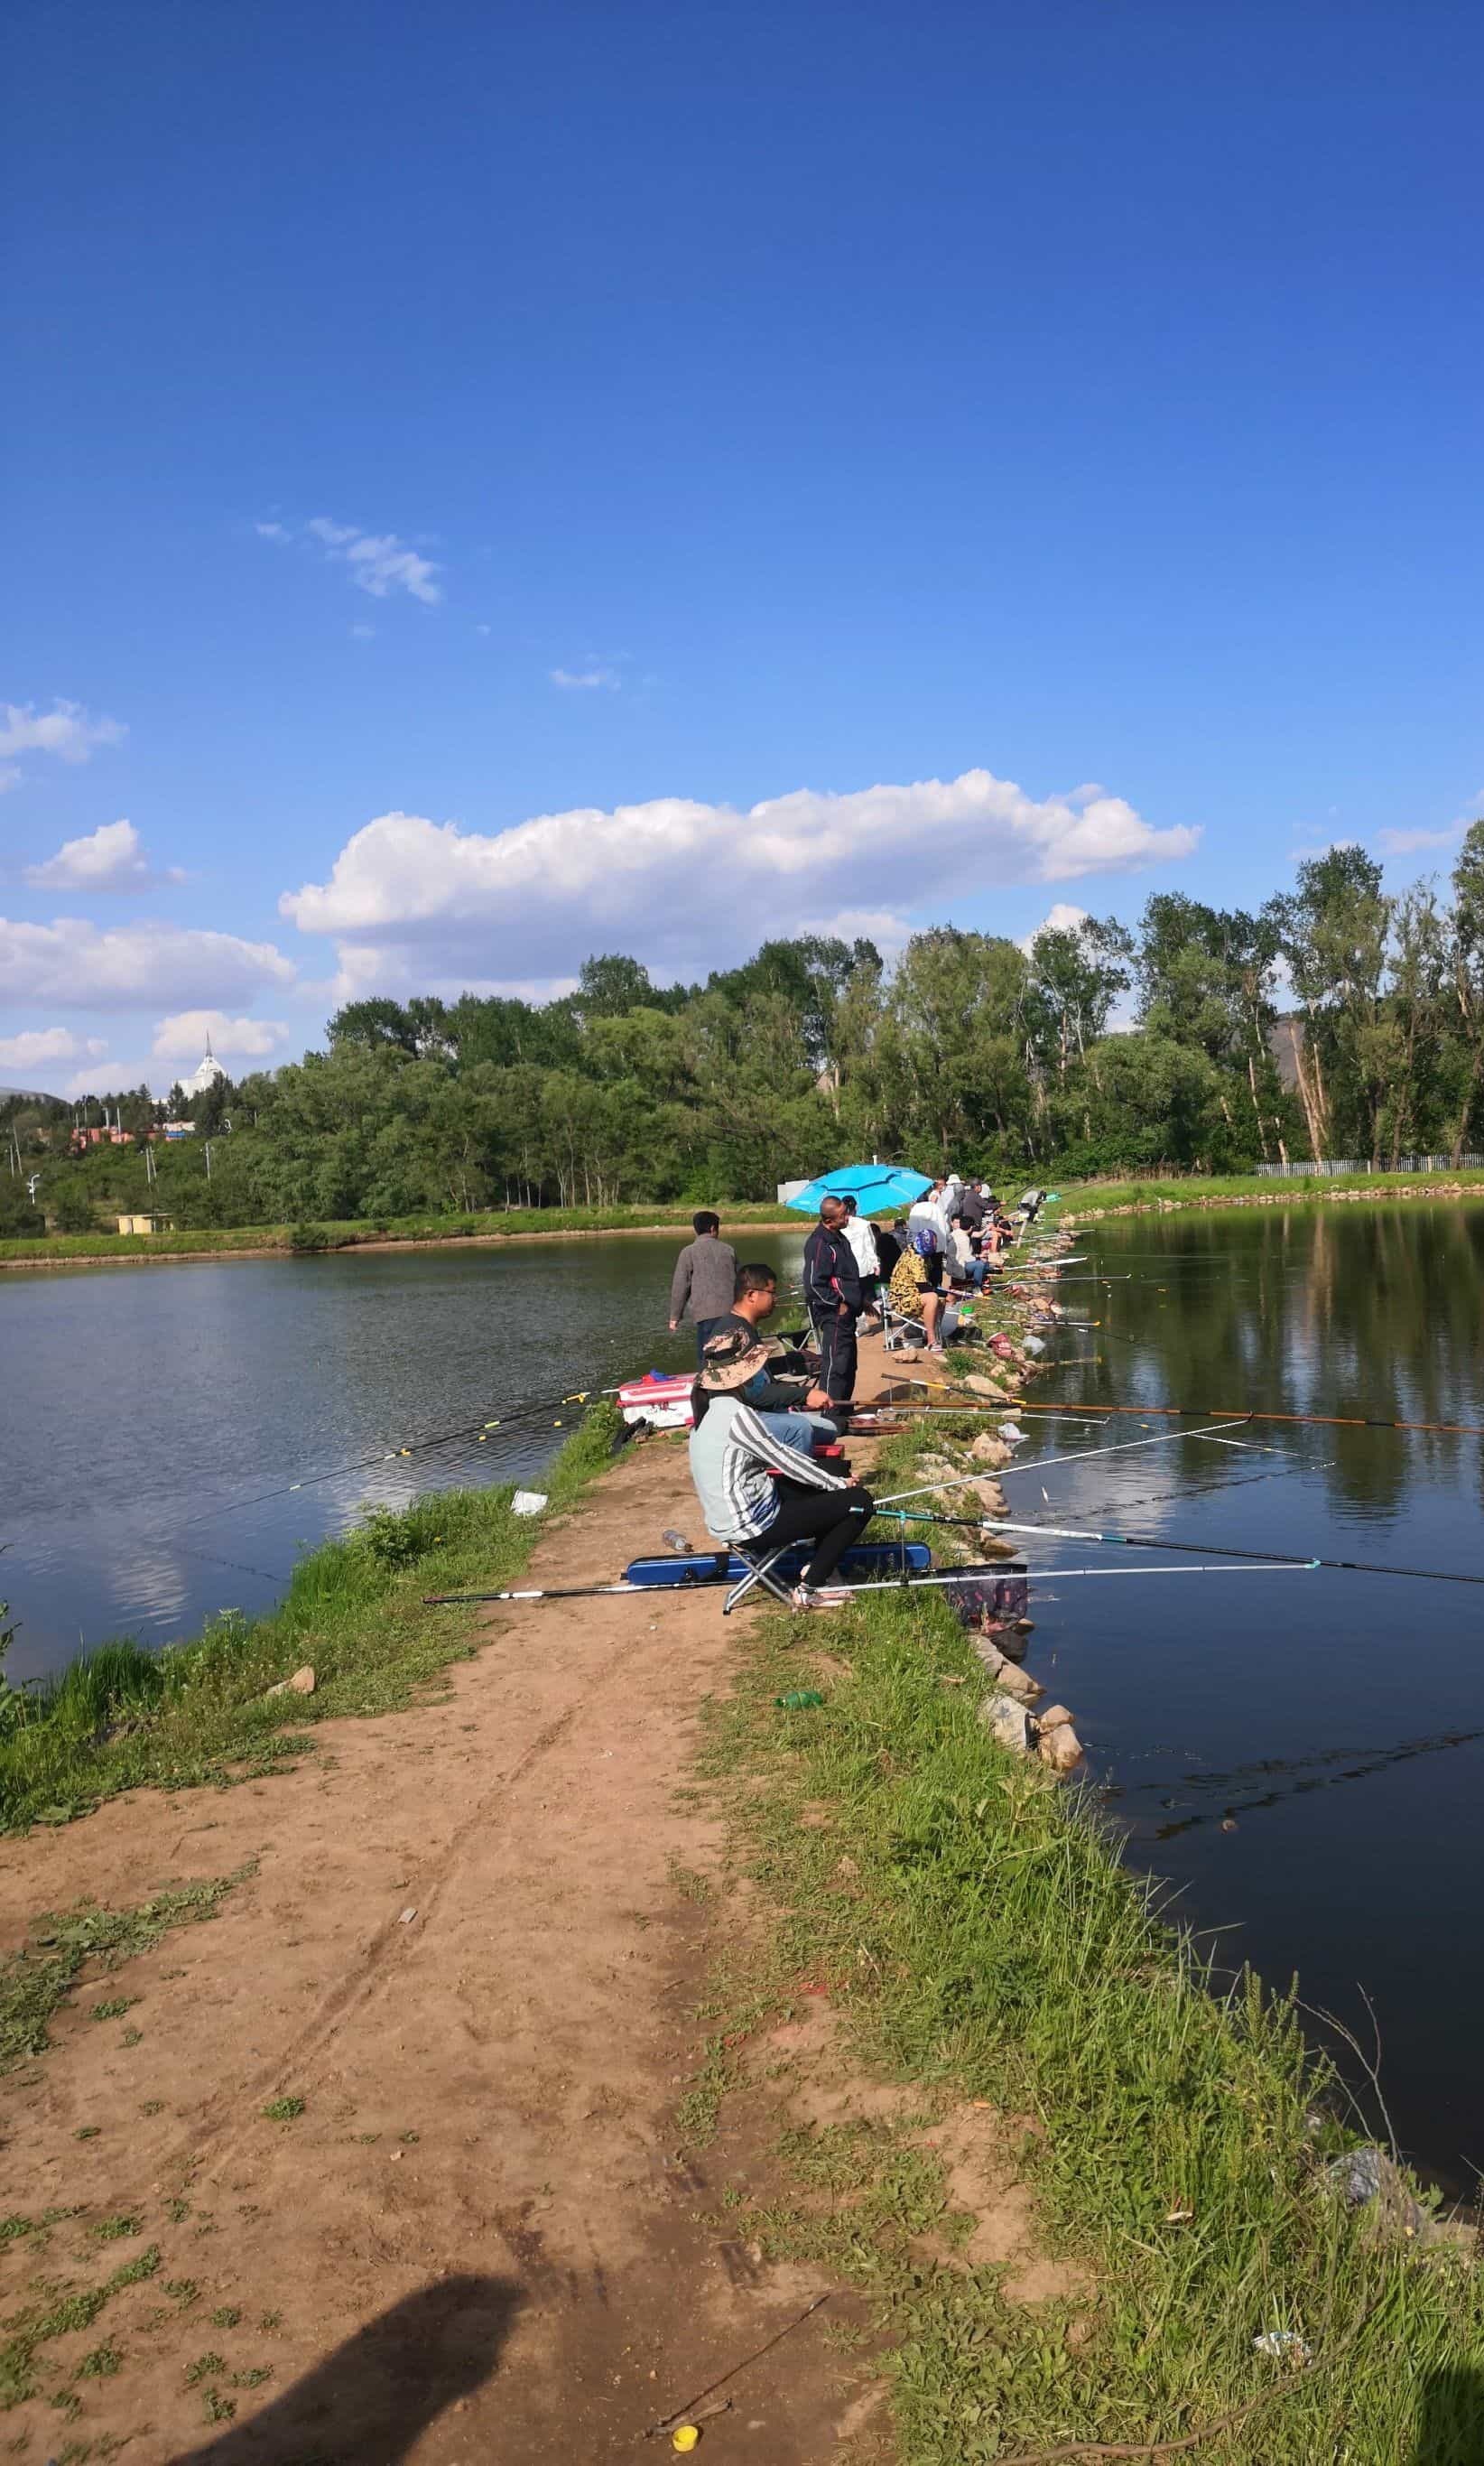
874, 1187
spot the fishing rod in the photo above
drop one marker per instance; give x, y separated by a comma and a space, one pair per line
995, 1567
1250, 1413
1267, 1557
1043, 1463
477, 1430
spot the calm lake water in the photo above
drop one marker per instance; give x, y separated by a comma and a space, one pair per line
1335, 1720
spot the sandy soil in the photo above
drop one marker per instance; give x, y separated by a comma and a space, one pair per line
472, 1942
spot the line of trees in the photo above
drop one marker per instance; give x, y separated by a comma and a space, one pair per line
970, 1051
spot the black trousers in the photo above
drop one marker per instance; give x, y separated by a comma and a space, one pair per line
837, 1357
831, 1518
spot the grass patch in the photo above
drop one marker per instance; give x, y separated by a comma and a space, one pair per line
989, 1945
1086, 1200
284, 2110
35, 1981
122, 1718
63, 2313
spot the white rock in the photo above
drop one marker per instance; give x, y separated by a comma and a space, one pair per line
988, 1652
979, 1386
991, 1497
1008, 1723
1055, 1717
989, 1451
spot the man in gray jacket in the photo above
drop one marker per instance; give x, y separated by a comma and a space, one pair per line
704, 1280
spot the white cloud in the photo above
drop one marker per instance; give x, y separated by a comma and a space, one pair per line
36, 1048
1061, 918
10, 777
481, 629
585, 680
132, 967
363, 633
1413, 842
380, 564
1317, 847
681, 884
110, 858
186, 1035
66, 729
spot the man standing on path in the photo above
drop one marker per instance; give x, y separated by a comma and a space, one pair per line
833, 1297
704, 1280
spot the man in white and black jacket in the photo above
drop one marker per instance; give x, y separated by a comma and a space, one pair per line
835, 1297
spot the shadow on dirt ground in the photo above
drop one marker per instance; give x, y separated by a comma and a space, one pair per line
374, 2396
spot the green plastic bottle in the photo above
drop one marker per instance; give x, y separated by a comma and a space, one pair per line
800, 1699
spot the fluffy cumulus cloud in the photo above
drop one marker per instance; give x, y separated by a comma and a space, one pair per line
40, 1048
66, 731
184, 1036
684, 885
1060, 918
110, 858
133, 967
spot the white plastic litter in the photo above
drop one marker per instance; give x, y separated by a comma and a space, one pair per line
1285, 2346
1009, 1430
528, 1502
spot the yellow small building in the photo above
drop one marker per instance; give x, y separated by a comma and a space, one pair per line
147, 1224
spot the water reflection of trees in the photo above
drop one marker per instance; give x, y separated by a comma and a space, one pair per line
1375, 1310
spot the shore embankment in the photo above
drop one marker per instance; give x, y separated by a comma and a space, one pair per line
548, 2004
1090, 1202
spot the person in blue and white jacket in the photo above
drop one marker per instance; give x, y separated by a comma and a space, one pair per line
744, 1495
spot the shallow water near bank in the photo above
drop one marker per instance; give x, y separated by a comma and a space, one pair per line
1299, 1756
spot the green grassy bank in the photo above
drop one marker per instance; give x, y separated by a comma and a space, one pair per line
121, 1717
981, 1941
306, 1240
1087, 1200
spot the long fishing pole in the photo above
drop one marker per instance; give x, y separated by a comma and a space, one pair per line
1249, 1413
1268, 1558
475, 1430
995, 1567
1043, 1464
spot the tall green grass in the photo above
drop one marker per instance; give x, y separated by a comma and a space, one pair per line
119, 1718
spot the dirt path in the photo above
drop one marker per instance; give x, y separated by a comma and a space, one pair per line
479, 2241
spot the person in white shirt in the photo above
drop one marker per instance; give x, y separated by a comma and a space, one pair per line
862, 1238
931, 1209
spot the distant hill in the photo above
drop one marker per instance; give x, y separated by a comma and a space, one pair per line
29, 1096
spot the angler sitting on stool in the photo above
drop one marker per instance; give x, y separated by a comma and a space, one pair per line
745, 1495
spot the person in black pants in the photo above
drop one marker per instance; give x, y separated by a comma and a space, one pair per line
833, 1297
832, 1519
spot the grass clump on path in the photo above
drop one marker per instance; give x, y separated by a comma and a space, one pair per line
120, 1718
988, 1946
35, 1981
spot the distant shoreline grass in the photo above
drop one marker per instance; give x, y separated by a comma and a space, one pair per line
119, 1718
1086, 1200
307, 1241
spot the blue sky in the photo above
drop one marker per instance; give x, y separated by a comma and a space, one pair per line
477, 414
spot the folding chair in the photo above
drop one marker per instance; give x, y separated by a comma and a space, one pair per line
761, 1560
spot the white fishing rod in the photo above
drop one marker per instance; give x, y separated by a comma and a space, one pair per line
1043, 1464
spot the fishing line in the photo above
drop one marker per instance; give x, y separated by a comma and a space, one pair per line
1268, 1558
1043, 1463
